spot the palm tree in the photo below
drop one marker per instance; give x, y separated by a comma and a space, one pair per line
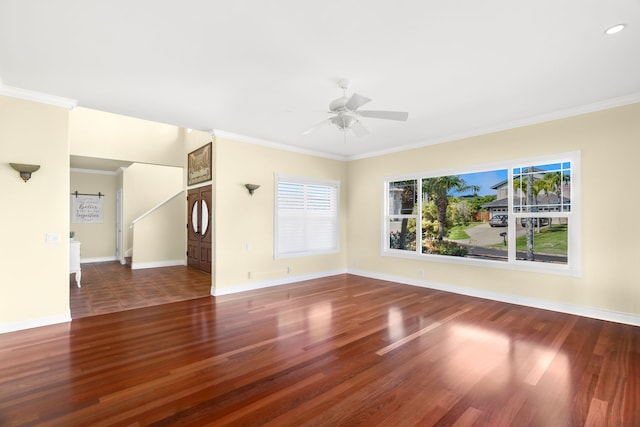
407, 199
437, 189
530, 201
550, 184
530, 188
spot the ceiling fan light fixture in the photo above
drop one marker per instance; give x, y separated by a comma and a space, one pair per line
614, 29
344, 121
346, 113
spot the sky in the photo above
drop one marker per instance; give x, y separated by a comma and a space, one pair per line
485, 180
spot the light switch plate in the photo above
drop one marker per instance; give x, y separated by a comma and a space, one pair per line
53, 238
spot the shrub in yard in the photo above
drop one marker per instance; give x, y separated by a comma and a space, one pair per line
444, 247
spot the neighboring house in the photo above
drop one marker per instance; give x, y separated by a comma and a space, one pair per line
542, 202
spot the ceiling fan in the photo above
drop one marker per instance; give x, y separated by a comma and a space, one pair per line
346, 113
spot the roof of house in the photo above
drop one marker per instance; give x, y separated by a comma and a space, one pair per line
541, 199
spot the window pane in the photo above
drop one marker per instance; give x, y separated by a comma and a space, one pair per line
542, 188
456, 210
194, 218
402, 234
542, 240
403, 197
469, 215
205, 218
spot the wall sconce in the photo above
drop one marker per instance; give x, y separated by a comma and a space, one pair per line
25, 170
252, 188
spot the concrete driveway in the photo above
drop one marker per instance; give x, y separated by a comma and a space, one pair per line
485, 235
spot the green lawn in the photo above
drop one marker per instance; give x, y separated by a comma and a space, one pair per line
550, 240
457, 232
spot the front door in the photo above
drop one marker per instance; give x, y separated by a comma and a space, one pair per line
199, 253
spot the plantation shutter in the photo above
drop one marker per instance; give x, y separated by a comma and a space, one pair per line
306, 217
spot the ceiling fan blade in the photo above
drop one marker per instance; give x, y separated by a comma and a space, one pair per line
359, 129
356, 101
388, 115
316, 126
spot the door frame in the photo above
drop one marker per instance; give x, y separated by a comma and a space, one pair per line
119, 251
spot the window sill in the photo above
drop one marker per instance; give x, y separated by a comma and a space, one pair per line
526, 266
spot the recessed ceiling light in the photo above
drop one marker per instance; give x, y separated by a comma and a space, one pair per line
615, 29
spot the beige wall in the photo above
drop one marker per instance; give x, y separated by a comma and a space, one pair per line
158, 150
144, 187
244, 224
609, 145
98, 240
37, 133
111, 136
34, 276
158, 239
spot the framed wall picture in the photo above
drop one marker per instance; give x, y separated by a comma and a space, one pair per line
199, 165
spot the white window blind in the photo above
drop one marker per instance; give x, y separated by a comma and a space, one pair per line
306, 216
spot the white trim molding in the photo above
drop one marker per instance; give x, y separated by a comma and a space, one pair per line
577, 310
98, 259
157, 264
514, 124
276, 145
233, 289
95, 171
34, 323
31, 95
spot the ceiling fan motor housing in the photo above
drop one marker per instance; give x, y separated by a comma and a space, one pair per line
347, 113
338, 104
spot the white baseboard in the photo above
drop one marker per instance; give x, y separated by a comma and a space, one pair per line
591, 312
98, 259
156, 264
34, 323
270, 283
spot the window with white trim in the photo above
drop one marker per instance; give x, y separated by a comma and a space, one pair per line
306, 216
522, 214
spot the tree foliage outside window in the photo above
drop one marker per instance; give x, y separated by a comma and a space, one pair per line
521, 214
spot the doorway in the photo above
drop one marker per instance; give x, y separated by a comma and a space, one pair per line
199, 254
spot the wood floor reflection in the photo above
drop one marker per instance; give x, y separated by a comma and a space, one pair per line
339, 351
109, 287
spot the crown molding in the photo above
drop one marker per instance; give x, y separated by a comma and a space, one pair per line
31, 95
217, 133
95, 171
556, 115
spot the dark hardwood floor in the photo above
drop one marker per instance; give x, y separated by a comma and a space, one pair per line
108, 287
339, 351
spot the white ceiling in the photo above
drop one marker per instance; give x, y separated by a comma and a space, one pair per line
268, 69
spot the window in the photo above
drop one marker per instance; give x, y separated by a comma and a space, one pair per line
306, 216
519, 214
